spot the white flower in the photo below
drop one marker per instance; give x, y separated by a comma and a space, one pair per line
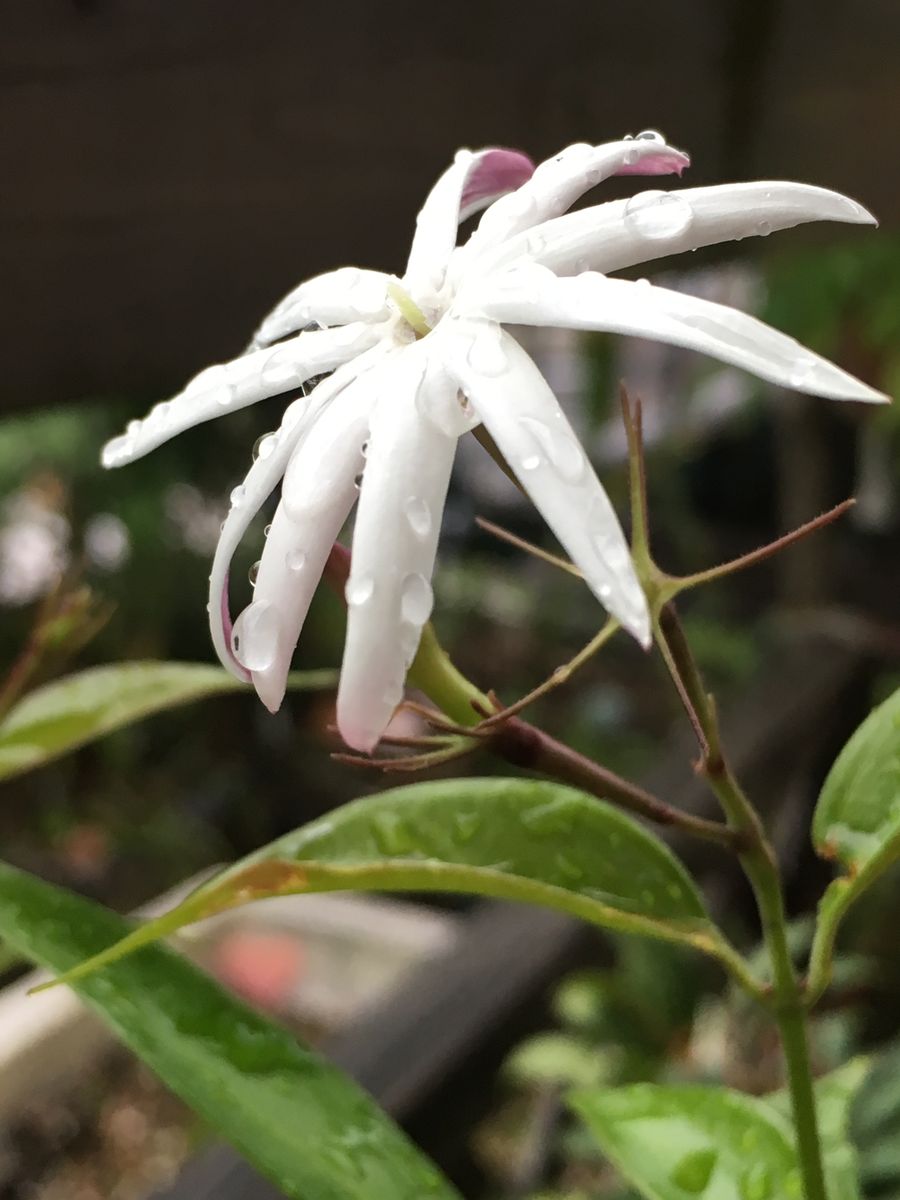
411, 364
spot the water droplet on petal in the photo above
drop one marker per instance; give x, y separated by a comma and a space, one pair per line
629, 137
359, 589
651, 135
416, 599
133, 428
764, 228
630, 158
803, 372
658, 214
264, 445
267, 530
358, 480
531, 462
391, 834
254, 639
558, 447
487, 356
253, 573
295, 560
693, 1172
466, 825
570, 871
282, 368
237, 495
418, 515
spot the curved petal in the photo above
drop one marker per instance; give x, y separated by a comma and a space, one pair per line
336, 298
557, 183
469, 183
261, 480
533, 295
521, 413
229, 386
621, 233
395, 538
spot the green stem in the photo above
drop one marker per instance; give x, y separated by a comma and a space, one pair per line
761, 867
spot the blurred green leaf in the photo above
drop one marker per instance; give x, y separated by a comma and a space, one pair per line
511, 838
673, 1142
312, 1131
857, 822
559, 1058
69, 712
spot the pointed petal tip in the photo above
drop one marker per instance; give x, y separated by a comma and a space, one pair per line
270, 689
356, 735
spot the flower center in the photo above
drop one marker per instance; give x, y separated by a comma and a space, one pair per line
408, 308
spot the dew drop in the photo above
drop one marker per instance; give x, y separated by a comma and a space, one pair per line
558, 447
237, 495
693, 1172
282, 368
253, 573
764, 228
466, 825
267, 530
803, 372
418, 515
133, 428
658, 214
648, 898
264, 445
569, 870
364, 448
359, 589
651, 135
416, 599
630, 158
391, 835
554, 817
358, 480
487, 357
295, 560
531, 462
254, 638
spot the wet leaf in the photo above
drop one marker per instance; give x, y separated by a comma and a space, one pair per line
510, 838
298, 1119
69, 712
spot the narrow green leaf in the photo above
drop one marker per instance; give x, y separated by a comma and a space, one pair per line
857, 823
672, 1143
79, 708
298, 1119
510, 838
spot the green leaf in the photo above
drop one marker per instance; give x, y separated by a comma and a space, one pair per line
298, 1119
857, 823
510, 838
672, 1143
77, 709
560, 1058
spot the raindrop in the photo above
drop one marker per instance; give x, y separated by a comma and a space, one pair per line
254, 638
237, 495
559, 448
253, 573
391, 835
531, 462
357, 480
764, 228
264, 445
295, 560
224, 395
487, 357
756, 1183
569, 870
674, 890
629, 137
554, 817
418, 515
133, 428
416, 599
803, 372
267, 530
359, 589
693, 1172
282, 368
651, 135
364, 448
630, 158
159, 414
604, 591
658, 214
467, 825
648, 898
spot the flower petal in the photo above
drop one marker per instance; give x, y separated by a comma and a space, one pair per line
521, 413
621, 233
261, 480
557, 183
398, 523
336, 298
469, 183
535, 296
229, 386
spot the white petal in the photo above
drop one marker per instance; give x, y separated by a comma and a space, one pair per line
450, 201
262, 478
398, 523
535, 296
557, 183
336, 298
610, 237
229, 386
521, 413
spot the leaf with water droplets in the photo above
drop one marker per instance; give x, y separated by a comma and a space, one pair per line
511, 838
296, 1117
676, 1142
75, 710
